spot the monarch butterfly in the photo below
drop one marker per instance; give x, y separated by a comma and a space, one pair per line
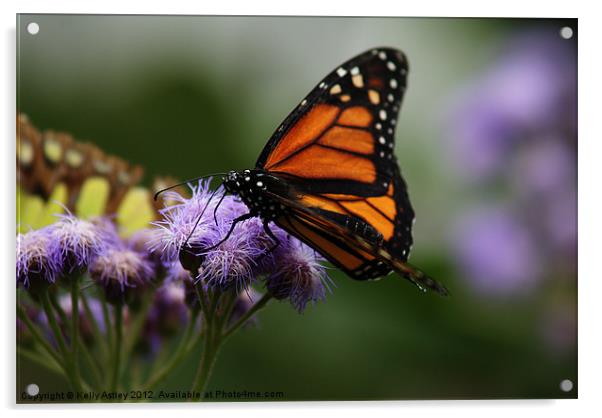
56, 172
328, 175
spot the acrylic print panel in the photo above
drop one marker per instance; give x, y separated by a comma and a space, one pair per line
123, 298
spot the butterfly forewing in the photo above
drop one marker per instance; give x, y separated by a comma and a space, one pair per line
340, 138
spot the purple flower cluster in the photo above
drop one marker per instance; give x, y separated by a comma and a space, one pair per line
73, 245
513, 135
291, 272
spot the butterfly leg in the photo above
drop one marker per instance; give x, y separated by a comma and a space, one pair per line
270, 233
232, 226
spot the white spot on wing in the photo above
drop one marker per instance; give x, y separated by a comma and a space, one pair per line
341, 72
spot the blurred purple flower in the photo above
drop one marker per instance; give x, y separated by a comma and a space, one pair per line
514, 132
142, 242
85, 325
545, 167
176, 273
497, 253
560, 225
168, 313
245, 301
531, 89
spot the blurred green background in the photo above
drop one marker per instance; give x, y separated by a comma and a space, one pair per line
186, 96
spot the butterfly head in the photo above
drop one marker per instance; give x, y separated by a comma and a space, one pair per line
232, 182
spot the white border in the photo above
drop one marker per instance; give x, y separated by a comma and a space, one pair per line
590, 210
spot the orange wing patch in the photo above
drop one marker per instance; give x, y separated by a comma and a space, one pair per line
349, 139
385, 204
311, 126
372, 216
322, 203
318, 163
356, 116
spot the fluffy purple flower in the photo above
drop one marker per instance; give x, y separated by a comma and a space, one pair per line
37, 261
297, 275
179, 223
76, 241
497, 253
120, 272
233, 263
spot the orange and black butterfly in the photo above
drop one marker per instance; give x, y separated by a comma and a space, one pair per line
328, 175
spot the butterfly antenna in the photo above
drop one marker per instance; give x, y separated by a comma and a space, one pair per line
198, 219
221, 199
185, 183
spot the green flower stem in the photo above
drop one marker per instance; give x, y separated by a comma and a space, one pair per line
202, 300
211, 345
135, 327
118, 309
58, 335
214, 298
247, 315
59, 310
99, 339
43, 361
107, 318
215, 336
38, 336
93, 364
180, 354
228, 308
75, 325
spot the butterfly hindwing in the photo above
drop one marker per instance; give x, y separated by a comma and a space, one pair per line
357, 256
340, 138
